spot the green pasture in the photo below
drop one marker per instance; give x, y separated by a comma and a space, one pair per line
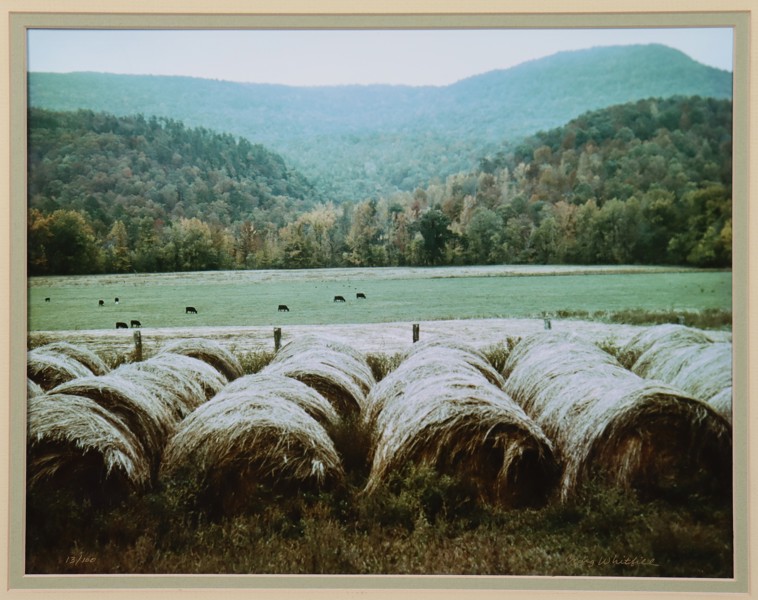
247, 299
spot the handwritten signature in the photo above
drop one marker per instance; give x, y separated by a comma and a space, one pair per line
625, 561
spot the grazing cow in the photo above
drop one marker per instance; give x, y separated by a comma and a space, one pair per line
115, 300
360, 295
121, 325
100, 303
135, 323
283, 308
339, 299
47, 299
190, 309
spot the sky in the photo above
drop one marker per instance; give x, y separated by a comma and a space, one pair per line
341, 57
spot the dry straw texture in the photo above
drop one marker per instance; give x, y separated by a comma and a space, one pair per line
436, 409
210, 352
236, 445
457, 351
145, 415
75, 443
181, 381
177, 390
687, 359
207, 376
661, 336
286, 388
606, 421
48, 368
338, 372
87, 357
33, 389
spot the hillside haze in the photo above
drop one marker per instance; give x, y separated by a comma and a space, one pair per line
355, 142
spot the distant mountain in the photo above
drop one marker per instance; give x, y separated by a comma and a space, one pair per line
355, 142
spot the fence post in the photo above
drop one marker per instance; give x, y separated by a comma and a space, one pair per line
415, 332
277, 338
137, 346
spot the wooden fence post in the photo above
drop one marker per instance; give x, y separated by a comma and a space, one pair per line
137, 346
277, 338
415, 332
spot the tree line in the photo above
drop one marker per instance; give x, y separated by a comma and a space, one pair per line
647, 182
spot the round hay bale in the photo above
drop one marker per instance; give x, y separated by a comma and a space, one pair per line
448, 416
50, 368
233, 450
469, 431
702, 370
422, 365
453, 351
208, 351
607, 422
145, 415
210, 379
266, 385
76, 444
662, 336
339, 373
178, 390
85, 356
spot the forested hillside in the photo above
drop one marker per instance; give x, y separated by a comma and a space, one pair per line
647, 182
360, 142
122, 193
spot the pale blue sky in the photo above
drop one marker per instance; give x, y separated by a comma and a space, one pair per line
336, 57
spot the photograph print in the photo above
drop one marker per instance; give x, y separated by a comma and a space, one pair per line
361, 300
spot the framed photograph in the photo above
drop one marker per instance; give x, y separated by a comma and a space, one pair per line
389, 300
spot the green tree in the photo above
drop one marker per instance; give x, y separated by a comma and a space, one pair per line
434, 227
195, 245
70, 245
364, 241
118, 255
484, 236
707, 235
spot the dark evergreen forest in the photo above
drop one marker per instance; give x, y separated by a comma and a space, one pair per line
646, 182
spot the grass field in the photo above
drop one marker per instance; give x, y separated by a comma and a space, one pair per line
251, 298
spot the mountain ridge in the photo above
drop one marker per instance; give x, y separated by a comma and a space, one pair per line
358, 141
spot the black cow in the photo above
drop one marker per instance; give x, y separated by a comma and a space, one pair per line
360, 295
190, 309
121, 325
47, 299
339, 299
283, 308
135, 323
115, 300
100, 303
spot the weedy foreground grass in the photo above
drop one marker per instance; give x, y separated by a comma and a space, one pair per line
420, 523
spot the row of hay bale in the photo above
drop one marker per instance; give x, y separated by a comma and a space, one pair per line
273, 430
606, 421
443, 407
107, 431
689, 359
562, 412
